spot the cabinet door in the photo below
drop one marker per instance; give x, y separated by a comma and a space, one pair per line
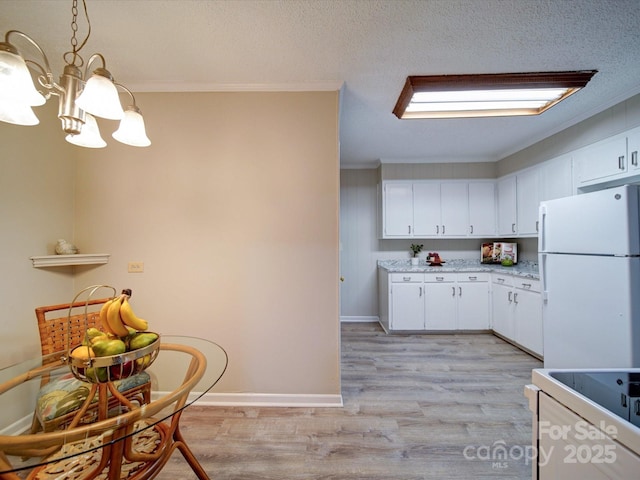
454, 201
527, 201
502, 305
581, 449
426, 209
473, 303
407, 306
440, 302
602, 160
633, 146
440, 310
507, 206
482, 209
528, 319
556, 179
398, 210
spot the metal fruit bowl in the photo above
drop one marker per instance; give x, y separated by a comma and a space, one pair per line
113, 367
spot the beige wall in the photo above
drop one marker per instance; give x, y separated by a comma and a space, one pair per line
233, 210
37, 174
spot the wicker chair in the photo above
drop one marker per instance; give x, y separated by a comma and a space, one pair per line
60, 398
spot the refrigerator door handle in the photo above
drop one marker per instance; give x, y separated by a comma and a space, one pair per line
542, 261
542, 217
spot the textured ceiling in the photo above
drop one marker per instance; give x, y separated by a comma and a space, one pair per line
366, 47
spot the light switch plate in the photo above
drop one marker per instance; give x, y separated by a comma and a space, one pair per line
135, 267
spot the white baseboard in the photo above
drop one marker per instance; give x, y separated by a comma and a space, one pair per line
261, 399
20, 426
358, 319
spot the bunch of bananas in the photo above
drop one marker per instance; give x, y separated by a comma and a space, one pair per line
116, 314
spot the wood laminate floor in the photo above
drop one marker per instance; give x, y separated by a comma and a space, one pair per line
415, 407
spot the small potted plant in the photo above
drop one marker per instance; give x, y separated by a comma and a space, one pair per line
416, 249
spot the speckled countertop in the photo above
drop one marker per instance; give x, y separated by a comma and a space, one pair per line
522, 269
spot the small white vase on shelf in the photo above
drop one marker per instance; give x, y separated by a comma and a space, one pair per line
415, 261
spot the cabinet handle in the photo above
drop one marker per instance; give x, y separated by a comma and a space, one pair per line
537, 221
526, 285
500, 280
473, 278
409, 229
471, 228
453, 291
443, 229
515, 298
420, 291
513, 228
510, 297
460, 291
621, 162
437, 229
406, 279
634, 158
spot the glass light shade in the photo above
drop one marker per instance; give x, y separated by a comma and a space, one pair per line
16, 83
17, 113
100, 98
131, 130
89, 135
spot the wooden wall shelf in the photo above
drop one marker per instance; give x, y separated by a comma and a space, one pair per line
64, 260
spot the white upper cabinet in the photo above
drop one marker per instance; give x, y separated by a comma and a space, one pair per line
556, 178
527, 201
519, 195
482, 209
507, 220
426, 209
601, 161
633, 147
397, 201
440, 209
454, 208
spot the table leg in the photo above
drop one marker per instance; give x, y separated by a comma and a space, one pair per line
188, 455
4, 463
115, 459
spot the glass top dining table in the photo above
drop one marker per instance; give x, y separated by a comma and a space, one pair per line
185, 369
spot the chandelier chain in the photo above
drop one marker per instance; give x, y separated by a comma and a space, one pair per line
76, 59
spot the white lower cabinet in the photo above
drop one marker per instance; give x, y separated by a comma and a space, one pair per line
441, 301
457, 301
527, 302
432, 302
517, 311
470, 301
473, 301
502, 306
406, 301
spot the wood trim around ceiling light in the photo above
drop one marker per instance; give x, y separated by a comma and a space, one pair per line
494, 81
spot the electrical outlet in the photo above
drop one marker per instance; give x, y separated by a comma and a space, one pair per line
135, 267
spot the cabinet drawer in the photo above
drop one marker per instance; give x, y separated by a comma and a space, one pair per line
474, 277
407, 277
440, 277
502, 279
527, 284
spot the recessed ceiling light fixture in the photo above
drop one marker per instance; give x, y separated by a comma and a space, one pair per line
487, 95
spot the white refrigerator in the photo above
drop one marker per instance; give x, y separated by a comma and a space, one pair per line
589, 260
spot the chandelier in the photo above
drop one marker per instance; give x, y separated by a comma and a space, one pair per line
80, 99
